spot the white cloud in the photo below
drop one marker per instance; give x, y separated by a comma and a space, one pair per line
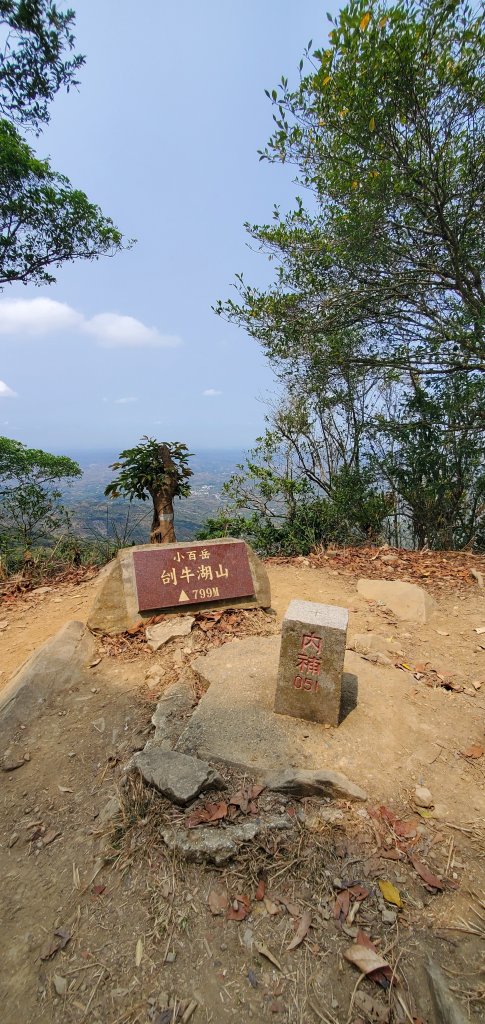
211, 392
44, 316
113, 330
125, 401
36, 316
5, 391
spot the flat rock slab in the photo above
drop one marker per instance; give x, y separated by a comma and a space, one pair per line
409, 602
218, 845
177, 776
235, 721
162, 632
300, 783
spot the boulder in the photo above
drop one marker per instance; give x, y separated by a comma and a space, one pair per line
408, 601
60, 663
299, 782
177, 776
162, 632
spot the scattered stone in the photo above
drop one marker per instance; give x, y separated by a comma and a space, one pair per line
99, 724
4, 624
169, 717
313, 640
408, 601
170, 958
178, 776
301, 783
423, 797
323, 816
14, 838
389, 916
109, 812
162, 632
215, 846
389, 559
12, 759
373, 647
478, 576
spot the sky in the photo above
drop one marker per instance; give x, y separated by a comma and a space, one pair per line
163, 133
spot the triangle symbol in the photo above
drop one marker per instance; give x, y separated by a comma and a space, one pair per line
183, 596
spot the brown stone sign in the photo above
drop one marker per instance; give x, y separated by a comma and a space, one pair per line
151, 578
184, 574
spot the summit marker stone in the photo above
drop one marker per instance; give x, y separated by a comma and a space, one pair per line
313, 642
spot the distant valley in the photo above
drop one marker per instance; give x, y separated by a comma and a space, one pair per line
96, 517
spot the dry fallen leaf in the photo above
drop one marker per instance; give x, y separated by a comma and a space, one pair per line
474, 751
239, 909
264, 951
49, 837
426, 874
374, 1011
367, 960
305, 922
389, 892
271, 908
260, 891
61, 937
207, 814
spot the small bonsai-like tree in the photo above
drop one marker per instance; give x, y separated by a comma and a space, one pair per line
155, 469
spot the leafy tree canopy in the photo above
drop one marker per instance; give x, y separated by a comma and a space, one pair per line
44, 221
24, 465
145, 469
36, 59
386, 130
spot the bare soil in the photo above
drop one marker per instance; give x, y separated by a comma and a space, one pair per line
143, 944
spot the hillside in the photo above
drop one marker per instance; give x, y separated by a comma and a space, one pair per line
141, 930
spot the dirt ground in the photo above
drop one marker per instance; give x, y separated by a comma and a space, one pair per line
136, 938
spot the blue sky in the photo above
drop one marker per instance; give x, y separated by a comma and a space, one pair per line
163, 134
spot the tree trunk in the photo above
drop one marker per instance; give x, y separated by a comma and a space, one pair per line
162, 531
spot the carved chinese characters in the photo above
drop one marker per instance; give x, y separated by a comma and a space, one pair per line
313, 642
170, 576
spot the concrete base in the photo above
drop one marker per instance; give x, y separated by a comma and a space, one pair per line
235, 721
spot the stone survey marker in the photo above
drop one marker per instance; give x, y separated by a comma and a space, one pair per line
150, 578
313, 641
183, 574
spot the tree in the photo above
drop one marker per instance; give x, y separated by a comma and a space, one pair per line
33, 65
432, 456
30, 502
44, 221
386, 130
155, 469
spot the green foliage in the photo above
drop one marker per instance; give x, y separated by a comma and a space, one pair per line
144, 470
33, 65
31, 465
386, 130
31, 511
282, 514
433, 457
44, 221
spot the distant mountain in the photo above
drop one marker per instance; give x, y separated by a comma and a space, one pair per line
94, 515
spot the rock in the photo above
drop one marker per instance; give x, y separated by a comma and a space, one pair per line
59, 664
374, 647
478, 576
321, 782
408, 601
314, 820
162, 632
178, 776
170, 714
109, 812
423, 797
389, 916
210, 844
389, 559
12, 760
447, 1009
